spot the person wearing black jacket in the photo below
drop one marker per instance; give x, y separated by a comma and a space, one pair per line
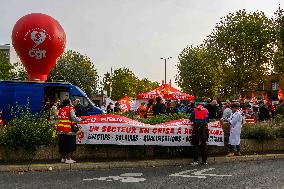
116, 108
263, 112
159, 107
79, 108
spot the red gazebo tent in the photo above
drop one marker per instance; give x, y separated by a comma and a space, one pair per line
167, 92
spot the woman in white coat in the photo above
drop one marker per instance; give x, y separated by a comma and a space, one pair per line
235, 131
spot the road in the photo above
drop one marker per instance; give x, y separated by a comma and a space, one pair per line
244, 175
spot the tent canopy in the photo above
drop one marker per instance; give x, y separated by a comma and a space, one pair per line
167, 92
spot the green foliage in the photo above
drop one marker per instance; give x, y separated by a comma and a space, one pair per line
131, 114
280, 132
279, 52
26, 131
164, 118
155, 120
244, 43
258, 131
124, 82
77, 69
200, 72
19, 71
145, 85
278, 124
237, 55
6, 67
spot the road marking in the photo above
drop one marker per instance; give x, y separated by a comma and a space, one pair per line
126, 177
197, 174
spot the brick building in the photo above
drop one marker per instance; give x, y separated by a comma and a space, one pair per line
270, 86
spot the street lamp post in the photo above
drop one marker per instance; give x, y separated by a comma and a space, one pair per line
166, 67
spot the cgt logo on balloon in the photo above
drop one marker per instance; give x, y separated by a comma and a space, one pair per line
38, 36
39, 40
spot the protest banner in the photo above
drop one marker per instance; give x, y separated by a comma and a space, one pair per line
119, 130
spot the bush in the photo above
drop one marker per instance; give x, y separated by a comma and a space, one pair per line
163, 118
280, 132
258, 131
156, 119
26, 131
278, 125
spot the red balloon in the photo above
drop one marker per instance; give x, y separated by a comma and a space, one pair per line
39, 40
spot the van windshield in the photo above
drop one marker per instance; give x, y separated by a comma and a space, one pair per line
85, 101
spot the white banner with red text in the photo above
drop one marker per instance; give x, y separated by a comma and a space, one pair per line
119, 130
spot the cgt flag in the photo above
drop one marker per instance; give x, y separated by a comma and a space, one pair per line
124, 104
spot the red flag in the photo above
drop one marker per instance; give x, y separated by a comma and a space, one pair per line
253, 98
266, 98
245, 98
124, 104
280, 94
263, 97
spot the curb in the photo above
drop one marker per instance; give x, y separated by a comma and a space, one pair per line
131, 164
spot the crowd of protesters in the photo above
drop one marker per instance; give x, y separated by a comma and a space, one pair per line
234, 113
251, 111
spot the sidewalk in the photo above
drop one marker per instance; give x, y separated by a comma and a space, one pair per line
130, 164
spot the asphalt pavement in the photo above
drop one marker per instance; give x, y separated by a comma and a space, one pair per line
258, 173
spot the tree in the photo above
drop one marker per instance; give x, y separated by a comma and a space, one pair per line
244, 43
19, 71
144, 85
77, 69
6, 67
124, 83
279, 52
199, 71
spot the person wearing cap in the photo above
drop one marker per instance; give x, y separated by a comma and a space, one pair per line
200, 133
235, 122
79, 108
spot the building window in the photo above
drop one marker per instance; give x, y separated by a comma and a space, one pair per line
262, 87
275, 85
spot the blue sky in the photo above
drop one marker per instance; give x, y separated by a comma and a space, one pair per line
131, 33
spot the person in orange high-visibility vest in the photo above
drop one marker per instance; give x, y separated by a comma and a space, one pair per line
67, 138
141, 110
200, 133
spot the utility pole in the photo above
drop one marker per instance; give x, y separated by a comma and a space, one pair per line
110, 84
166, 67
